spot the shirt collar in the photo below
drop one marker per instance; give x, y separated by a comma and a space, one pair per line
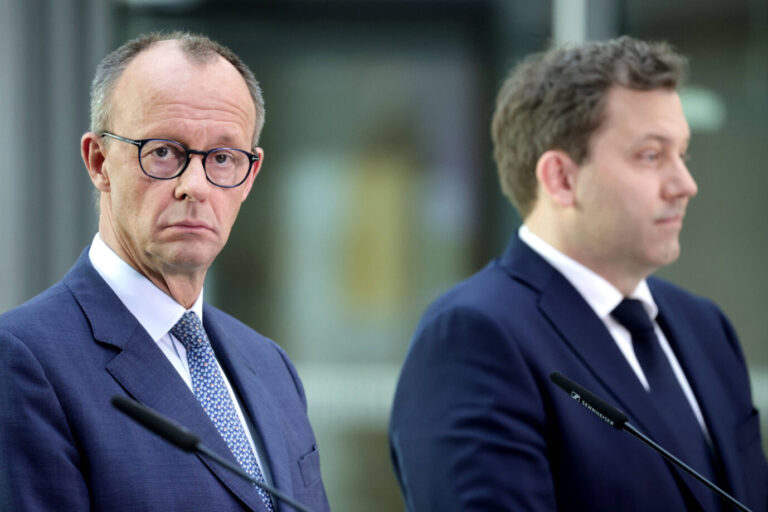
601, 295
156, 311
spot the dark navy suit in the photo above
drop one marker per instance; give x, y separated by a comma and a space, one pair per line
478, 426
65, 353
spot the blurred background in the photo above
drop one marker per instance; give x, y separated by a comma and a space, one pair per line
378, 189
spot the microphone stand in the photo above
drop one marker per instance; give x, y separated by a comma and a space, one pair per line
182, 438
618, 420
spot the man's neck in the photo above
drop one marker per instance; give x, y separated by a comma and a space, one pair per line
183, 287
625, 280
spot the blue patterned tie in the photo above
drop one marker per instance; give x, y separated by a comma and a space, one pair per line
211, 391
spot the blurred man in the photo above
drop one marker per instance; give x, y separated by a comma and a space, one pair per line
590, 143
172, 152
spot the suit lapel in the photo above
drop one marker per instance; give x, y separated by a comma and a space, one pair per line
586, 335
254, 395
687, 343
145, 373
588, 338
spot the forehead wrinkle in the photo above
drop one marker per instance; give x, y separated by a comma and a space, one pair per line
180, 97
185, 112
225, 121
184, 125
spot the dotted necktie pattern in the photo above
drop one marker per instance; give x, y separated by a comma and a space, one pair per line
211, 391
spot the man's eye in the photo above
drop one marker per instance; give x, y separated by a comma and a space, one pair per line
650, 156
224, 159
163, 152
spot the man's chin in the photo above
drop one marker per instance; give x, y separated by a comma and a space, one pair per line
667, 255
190, 259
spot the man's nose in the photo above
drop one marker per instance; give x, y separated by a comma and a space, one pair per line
193, 183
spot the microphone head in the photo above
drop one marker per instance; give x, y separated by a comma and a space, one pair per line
157, 423
602, 409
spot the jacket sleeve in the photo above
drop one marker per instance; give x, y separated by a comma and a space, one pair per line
40, 468
747, 432
467, 431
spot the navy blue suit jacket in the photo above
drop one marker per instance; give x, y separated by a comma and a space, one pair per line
65, 353
477, 425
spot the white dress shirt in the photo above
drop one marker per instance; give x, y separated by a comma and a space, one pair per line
603, 298
157, 313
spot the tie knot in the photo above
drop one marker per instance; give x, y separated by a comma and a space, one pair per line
189, 331
632, 315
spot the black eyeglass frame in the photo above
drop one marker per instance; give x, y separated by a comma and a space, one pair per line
252, 158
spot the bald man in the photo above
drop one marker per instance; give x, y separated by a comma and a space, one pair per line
172, 152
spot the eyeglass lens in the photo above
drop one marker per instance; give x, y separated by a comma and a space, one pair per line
164, 159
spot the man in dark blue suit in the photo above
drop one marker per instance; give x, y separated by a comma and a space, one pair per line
172, 152
590, 143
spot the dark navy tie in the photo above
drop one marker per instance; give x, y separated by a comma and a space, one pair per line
666, 392
211, 391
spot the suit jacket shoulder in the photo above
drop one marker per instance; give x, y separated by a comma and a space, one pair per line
477, 425
65, 353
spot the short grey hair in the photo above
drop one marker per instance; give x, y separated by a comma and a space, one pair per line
196, 47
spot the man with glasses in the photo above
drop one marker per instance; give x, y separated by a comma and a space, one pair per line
172, 153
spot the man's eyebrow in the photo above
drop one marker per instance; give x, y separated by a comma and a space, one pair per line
663, 139
225, 141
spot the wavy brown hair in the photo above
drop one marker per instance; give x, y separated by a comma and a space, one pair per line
556, 100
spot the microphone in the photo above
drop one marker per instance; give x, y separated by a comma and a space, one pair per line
618, 420
181, 437
585, 397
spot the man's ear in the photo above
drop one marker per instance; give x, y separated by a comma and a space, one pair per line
246, 187
556, 173
94, 158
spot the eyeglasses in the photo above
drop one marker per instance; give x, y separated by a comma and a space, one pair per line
164, 159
